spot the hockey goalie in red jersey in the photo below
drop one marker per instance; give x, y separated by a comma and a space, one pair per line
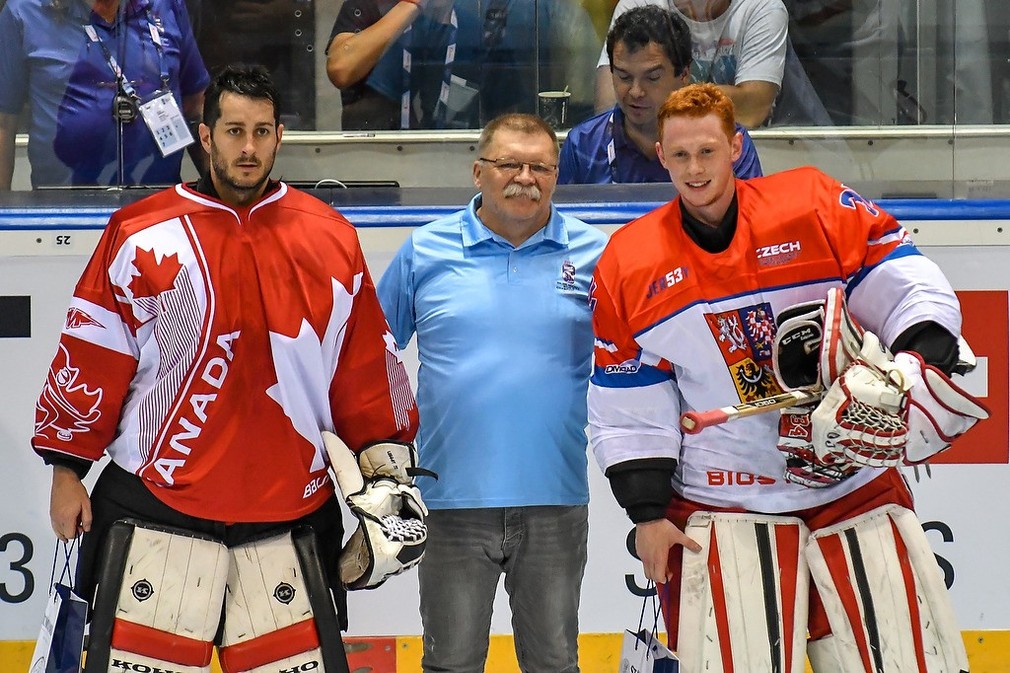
785, 534
220, 330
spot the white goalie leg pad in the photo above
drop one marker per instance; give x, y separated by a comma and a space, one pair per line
743, 598
158, 604
823, 657
887, 606
279, 614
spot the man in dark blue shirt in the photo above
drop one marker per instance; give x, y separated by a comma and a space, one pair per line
75, 64
650, 57
423, 64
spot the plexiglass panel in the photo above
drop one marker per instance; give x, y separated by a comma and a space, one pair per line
898, 98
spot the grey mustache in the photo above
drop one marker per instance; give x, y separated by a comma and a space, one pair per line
528, 191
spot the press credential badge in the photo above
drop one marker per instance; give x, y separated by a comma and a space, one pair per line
166, 122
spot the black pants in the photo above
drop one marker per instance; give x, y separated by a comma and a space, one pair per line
119, 494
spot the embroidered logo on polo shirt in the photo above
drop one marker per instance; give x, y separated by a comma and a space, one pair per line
567, 280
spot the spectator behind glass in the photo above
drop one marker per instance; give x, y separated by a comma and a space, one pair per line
739, 45
58, 57
837, 41
277, 34
649, 50
503, 53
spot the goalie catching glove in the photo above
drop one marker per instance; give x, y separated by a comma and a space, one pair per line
879, 410
814, 343
378, 486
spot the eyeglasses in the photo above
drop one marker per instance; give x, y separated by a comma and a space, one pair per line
514, 167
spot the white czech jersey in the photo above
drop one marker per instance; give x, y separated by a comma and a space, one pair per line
679, 329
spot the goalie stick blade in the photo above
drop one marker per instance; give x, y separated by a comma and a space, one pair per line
693, 422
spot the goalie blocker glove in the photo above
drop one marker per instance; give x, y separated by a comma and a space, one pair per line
803, 466
884, 410
814, 343
379, 489
879, 410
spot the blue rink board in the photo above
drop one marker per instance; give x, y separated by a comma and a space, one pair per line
599, 213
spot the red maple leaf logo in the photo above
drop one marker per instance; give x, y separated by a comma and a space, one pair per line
155, 277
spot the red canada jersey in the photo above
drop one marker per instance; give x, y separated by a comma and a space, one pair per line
207, 347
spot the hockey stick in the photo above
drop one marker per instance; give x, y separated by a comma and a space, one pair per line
694, 422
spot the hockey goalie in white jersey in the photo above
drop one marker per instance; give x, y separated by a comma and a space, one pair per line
781, 535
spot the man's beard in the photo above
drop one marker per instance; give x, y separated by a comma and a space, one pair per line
225, 177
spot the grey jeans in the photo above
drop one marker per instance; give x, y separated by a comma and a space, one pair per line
541, 551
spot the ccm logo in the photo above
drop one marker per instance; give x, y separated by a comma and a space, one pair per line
805, 334
778, 249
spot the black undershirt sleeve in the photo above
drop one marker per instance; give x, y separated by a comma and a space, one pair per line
934, 343
643, 487
78, 465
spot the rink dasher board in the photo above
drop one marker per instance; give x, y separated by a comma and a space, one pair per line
956, 504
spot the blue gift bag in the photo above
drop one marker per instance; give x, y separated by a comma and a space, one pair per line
60, 645
641, 651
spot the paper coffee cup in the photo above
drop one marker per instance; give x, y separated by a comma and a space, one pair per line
552, 106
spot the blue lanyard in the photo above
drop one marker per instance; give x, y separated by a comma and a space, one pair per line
443, 94
612, 150
154, 28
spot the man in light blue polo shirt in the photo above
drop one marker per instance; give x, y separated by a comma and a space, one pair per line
650, 57
498, 295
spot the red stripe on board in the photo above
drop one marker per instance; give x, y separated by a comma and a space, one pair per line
910, 598
834, 557
719, 602
158, 644
985, 324
787, 546
371, 654
270, 647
